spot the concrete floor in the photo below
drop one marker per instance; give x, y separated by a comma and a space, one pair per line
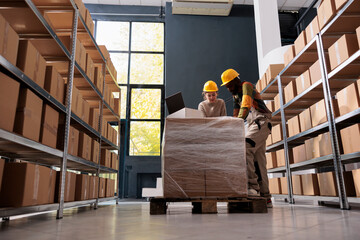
131, 220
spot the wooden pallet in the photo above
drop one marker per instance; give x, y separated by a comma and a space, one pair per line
158, 206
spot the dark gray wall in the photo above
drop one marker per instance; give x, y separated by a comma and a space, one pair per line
200, 48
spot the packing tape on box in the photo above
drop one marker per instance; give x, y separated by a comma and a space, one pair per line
311, 31
86, 183
51, 129
50, 184
36, 182
345, 97
302, 81
338, 59
67, 185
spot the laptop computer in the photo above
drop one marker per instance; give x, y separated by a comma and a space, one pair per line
175, 102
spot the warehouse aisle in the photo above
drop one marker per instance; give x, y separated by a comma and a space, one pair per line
131, 220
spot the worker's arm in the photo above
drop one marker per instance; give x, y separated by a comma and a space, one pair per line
247, 99
236, 112
202, 109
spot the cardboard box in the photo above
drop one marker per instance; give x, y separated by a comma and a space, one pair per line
283, 185
289, 91
358, 35
85, 111
270, 105
2, 165
222, 183
9, 40
305, 120
312, 148
327, 184
82, 187
325, 144
280, 157
289, 55
27, 184
276, 133
276, 102
89, 67
269, 140
312, 29
94, 118
189, 183
348, 99
75, 101
84, 146
49, 126
299, 153
258, 86
95, 151
28, 115
339, 4
271, 160
73, 146
54, 83
274, 185
300, 42
80, 54
263, 81
99, 78
356, 177
342, 49
326, 12
9, 93
105, 158
31, 62
297, 184
310, 185
117, 106
104, 51
82, 9
350, 138
69, 190
102, 187
303, 82
89, 22
318, 113
358, 85
93, 187
272, 71
315, 72
104, 128
349, 184
293, 126
110, 185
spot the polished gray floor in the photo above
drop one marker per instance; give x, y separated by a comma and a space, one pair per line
131, 221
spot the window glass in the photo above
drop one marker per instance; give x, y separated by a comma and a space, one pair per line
144, 138
147, 37
145, 103
114, 35
121, 63
147, 69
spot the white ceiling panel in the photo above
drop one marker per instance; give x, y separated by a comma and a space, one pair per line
129, 2
152, 2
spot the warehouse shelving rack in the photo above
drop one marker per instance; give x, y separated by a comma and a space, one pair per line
14, 146
346, 20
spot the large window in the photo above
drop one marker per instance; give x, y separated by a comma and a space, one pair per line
137, 51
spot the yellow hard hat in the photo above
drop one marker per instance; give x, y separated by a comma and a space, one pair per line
210, 86
228, 75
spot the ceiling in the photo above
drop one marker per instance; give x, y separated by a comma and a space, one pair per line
282, 4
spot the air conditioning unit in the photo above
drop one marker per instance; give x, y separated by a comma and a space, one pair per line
202, 7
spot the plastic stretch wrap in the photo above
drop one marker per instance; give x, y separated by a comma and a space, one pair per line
204, 157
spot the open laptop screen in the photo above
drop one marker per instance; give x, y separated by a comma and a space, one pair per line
174, 102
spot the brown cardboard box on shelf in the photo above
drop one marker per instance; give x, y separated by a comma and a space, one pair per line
81, 7
300, 42
102, 187
276, 133
73, 141
271, 160
9, 40
297, 185
95, 151
89, 22
280, 157
358, 35
270, 105
303, 82
293, 126
110, 184
315, 72
274, 185
358, 85
84, 146
2, 164
312, 148
348, 99
339, 4
85, 111
327, 184
318, 113
342, 49
276, 102
46, 186
104, 51
82, 187
117, 106
99, 78
310, 185
70, 185
349, 184
9, 93
31, 62
283, 185
258, 86
104, 128
269, 140
110, 132
93, 187
356, 178
272, 71
105, 158
289, 91
350, 138
299, 153
94, 118
312, 29
89, 67
54, 83
28, 115
289, 55
49, 126
75, 103
80, 54
325, 144
326, 12
305, 120
31, 183
263, 81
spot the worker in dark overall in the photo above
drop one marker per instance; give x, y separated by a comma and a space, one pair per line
249, 106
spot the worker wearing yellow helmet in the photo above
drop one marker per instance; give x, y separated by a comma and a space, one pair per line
212, 106
249, 106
